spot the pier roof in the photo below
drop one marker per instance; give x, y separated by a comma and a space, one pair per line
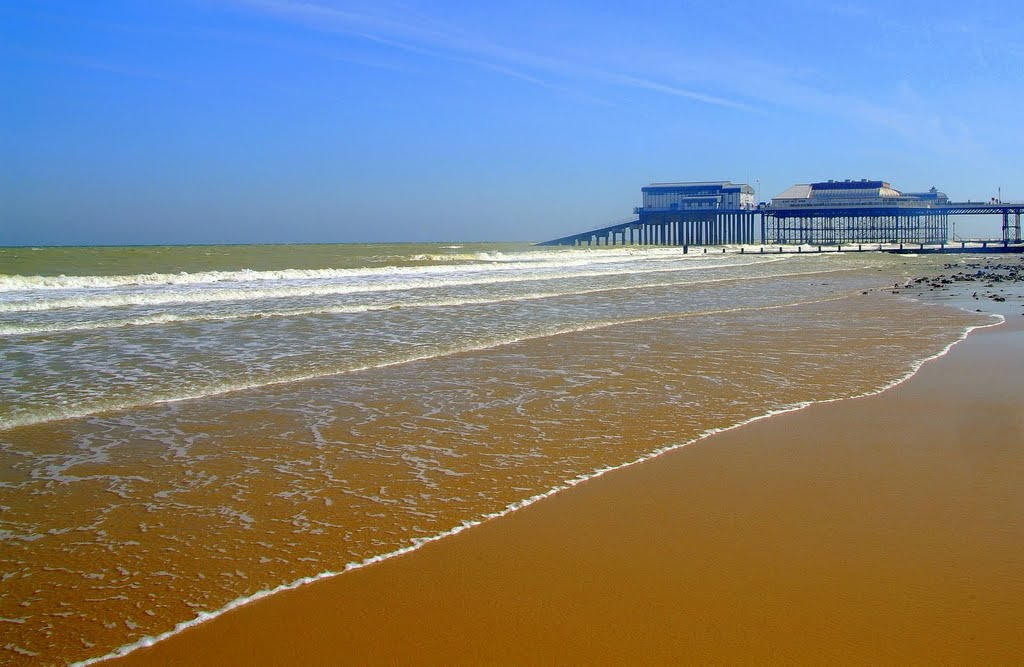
724, 186
798, 191
839, 193
863, 184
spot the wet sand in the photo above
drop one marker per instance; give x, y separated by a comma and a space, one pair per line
886, 528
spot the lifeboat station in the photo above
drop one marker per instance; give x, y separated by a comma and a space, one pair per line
855, 213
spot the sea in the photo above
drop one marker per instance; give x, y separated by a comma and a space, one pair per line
186, 429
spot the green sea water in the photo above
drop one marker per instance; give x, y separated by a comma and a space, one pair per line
127, 260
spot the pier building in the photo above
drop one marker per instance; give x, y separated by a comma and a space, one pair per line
864, 211
696, 213
701, 196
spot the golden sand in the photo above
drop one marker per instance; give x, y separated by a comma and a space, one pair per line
888, 528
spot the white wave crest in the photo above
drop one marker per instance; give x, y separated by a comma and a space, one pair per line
470, 262
393, 279
168, 318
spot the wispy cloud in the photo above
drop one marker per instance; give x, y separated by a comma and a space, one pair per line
424, 35
757, 84
646, 84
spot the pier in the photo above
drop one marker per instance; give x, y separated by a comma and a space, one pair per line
823, 216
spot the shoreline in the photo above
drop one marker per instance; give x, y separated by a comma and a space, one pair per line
220, 630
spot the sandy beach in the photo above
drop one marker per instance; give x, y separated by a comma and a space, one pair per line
885, 528
349, 332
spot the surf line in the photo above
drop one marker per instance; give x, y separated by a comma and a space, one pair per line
243, 292
168, 318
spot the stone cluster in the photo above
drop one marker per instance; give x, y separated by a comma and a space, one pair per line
992, 276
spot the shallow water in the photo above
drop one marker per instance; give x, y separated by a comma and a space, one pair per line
183, 428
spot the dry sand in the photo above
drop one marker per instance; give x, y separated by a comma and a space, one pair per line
887, 528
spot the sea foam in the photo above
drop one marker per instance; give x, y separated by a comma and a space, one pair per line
80, 410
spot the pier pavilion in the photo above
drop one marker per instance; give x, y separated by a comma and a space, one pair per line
835, 212
702, 213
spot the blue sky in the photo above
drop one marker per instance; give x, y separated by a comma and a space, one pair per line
245, 121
